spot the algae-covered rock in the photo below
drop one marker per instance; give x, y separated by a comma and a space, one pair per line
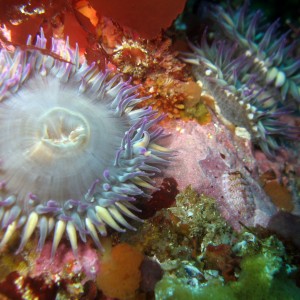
261, 278
202, 217
182, 231
176, 289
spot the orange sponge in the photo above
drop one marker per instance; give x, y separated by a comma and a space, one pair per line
119, 275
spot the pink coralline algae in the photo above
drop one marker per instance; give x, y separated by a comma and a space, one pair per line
221, 165
87, 263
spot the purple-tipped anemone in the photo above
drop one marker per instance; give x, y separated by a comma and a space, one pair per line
74, 150
270, 55
227, 74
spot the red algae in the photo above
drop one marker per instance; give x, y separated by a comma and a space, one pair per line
147, 17
16, 286
58, 19
163, 198
221, 258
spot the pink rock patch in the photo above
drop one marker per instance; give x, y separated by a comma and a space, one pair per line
221, 165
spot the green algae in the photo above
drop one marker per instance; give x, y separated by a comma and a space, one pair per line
175, 289
199, 112
264, 273
262, 277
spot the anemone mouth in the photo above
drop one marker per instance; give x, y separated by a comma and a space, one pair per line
74, 150
62, 129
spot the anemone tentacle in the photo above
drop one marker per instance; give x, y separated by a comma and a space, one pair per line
74, 150
271, 55
227, 74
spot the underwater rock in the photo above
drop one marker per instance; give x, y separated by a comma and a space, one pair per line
64, 262
151, 273
221, 165
197, 218
287, 226
260, 265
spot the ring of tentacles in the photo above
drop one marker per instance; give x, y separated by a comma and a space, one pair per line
75, 151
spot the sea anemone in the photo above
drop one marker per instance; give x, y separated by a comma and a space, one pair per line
131, 57
270, 53
240, 100
239, 73
74, 150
